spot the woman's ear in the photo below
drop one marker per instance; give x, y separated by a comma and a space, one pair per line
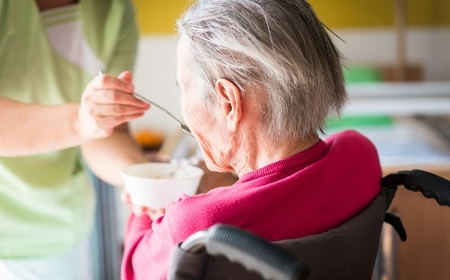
230, 102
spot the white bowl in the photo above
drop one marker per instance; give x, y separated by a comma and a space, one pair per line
154, 184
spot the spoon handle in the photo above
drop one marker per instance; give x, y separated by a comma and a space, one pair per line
184, 127
140, 97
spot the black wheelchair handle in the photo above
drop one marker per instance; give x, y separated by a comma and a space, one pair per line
429, 184
254, 253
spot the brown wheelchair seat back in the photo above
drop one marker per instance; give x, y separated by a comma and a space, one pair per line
345, 252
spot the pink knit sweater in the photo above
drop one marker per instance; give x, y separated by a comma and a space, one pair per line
307, 193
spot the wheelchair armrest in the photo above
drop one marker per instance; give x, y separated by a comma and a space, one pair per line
249, 250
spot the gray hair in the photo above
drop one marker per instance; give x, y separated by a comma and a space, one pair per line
278, 45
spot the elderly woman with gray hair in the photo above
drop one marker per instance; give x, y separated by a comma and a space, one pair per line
258, 80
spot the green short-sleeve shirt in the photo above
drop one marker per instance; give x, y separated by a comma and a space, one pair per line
46, 200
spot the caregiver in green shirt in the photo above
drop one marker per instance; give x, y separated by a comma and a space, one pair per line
52, 102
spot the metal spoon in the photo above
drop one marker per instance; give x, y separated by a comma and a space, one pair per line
184, 127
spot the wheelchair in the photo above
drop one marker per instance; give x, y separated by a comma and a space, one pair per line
348, 251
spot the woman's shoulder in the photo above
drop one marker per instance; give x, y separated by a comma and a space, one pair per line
346, 135
353, 149
351, 140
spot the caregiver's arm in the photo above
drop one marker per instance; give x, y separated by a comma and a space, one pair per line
107, 157
28, 129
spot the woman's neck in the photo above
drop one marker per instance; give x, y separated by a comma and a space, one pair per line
261, 152
51, 4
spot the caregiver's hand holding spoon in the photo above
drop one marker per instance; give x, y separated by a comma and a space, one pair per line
106, 103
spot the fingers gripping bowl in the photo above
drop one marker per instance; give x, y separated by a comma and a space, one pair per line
154, 184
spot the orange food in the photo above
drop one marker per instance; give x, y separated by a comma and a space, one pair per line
149, 138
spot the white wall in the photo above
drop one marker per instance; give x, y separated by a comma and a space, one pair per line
429, 47
154, 77
156, 63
